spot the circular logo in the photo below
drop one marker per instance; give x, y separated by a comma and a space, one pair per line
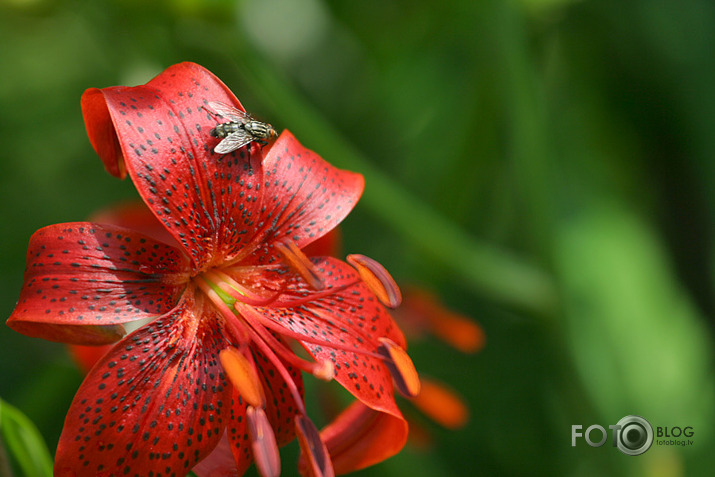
635, 435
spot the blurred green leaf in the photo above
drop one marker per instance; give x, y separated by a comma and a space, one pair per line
639, 343
24, 442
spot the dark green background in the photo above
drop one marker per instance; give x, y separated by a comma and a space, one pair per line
547, 166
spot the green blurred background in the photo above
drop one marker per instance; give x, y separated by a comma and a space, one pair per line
546, 166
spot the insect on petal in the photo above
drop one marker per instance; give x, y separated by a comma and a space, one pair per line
377, 279
242, 374
400, 365
313, 447
263, 443
163, 130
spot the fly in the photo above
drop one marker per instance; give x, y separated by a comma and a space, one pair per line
241, 129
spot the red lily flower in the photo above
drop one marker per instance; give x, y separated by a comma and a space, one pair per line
228, 298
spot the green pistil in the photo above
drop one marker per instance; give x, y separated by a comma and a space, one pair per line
225, 297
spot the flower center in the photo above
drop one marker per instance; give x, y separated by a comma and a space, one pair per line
242, 294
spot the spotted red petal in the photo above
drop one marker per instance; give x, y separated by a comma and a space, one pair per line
134, 215
155, 405
219, 463
360, 437
328, 245
83, 280
208, 202
349, 316
304, 197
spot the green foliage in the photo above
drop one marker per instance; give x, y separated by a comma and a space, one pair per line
24, 443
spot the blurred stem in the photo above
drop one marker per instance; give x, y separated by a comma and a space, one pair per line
5, 470
530, 150
485, 268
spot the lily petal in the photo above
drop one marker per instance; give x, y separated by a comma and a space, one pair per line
219, 463
134, 215
206, 201
304, 197
154, 404
83, 280
328, 245
360, 437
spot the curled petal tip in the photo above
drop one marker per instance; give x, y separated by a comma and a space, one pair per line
401, 367
263, 443
360, 437
102, 133
378, 279
313, 447
242, 374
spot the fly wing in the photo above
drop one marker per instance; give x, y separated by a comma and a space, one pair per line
233, 141
229, 112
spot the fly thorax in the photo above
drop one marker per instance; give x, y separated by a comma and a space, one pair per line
256, 128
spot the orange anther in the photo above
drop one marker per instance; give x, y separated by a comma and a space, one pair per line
400, 366
422, 310
263, 443
313, 447
301, 264
242, 374
441, 404
377, 279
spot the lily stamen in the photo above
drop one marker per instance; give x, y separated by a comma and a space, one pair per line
301, 264
378, 279
320, 369
232, 287
241, 371
401, 368
319, 463
263, 443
